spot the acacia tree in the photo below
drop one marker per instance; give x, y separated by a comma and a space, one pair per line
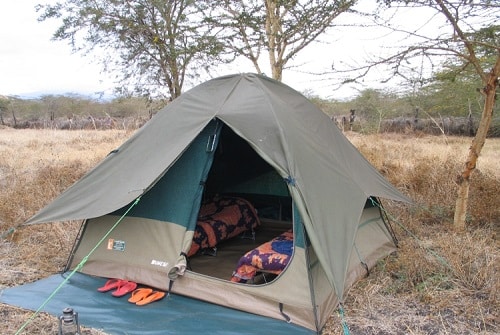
149, 45
470, 33
282, 28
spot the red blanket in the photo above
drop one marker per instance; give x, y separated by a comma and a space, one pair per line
271, 257
220, 219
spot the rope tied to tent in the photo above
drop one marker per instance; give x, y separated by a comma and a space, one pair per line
290, 181
78, 267
8, 232
437, 256
343, 322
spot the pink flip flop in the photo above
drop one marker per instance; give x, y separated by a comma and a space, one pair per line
124, 288
110, 284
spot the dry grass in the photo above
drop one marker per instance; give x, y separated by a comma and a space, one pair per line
35, 166
439, 282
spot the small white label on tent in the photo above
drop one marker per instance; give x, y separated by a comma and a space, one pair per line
116, 245
159, 263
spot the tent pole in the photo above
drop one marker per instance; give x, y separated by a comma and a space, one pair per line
76, 244
385, 219
297, 224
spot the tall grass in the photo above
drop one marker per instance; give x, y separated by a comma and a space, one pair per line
449, 280
440, 281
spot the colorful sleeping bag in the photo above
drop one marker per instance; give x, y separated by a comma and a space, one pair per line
220, 219
270, 257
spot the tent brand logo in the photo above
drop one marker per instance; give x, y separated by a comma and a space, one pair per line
116, 245
159, 263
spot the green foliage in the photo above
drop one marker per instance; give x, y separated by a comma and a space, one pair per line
455, 90
153, 46
282, 28
50, 109
329, 107
375, 105
486, 41
4, 105
452, 96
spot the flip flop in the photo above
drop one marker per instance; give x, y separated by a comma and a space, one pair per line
156, 295
110, 284
140, 294
124, 288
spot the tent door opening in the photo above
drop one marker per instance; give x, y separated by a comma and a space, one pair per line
241, 189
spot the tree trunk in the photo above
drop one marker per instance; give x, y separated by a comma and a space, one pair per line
463, 179
273, 33
14, 118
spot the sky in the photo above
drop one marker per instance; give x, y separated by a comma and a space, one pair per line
31, 64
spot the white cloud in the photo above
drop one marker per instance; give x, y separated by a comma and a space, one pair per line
30, 62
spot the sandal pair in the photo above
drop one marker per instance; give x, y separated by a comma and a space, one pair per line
122, 287
144, 296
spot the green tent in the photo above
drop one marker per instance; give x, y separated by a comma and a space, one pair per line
249, 137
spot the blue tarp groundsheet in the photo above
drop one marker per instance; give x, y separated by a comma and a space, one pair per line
173, 315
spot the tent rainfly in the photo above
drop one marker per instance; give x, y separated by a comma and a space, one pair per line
241, 193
